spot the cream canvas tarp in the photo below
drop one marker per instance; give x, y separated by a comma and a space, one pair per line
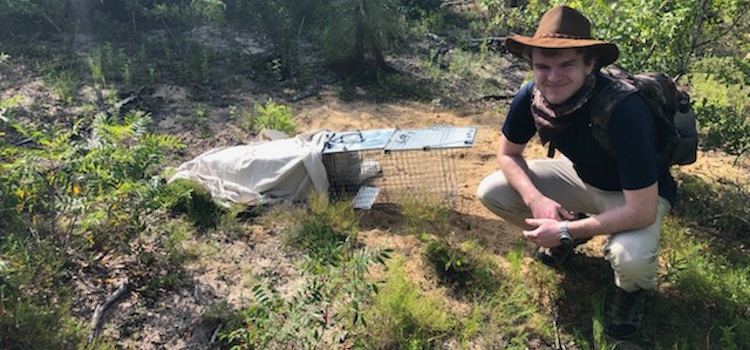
270, 170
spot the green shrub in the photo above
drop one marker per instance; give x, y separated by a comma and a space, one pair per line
30, 273
273, 116
70, 197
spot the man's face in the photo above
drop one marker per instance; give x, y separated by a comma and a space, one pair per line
560, 75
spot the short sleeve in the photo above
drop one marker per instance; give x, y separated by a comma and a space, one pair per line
519, 125
632, 138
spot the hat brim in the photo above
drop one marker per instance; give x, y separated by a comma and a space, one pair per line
606, 51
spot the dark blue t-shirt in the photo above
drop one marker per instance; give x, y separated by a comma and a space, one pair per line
631, 165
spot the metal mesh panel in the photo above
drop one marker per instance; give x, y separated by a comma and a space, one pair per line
428, 175
389, 166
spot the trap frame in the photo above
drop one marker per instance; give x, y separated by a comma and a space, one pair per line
394, 166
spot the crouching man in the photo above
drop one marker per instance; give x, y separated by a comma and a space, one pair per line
626, 189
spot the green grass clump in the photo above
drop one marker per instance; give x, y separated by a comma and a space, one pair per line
319, 228
424, 211
465, 267
404, 317
191, 198
511, 315
64, 84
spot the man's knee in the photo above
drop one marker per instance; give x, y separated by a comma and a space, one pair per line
488, 191
626, 263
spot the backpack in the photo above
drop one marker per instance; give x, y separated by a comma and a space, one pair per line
677, 136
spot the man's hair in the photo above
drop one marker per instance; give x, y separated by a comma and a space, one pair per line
588, 53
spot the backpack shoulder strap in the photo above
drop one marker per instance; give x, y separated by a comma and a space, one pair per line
622, 85
661, 95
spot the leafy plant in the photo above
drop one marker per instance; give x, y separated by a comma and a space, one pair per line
6, 106
329, 305
721, 111
97, 71
7, 289
29, 274
201, 119
88, 186
4, 59
273, 116
71, 185
325, 310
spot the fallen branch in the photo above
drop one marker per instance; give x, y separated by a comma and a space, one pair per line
124, 101
102, 106
497, 97
215, 333
96, 320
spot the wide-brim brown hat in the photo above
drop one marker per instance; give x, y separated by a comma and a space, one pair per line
562, 27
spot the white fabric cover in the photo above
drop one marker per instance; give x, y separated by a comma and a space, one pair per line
270, 170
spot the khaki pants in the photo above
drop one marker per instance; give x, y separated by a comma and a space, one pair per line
633, 255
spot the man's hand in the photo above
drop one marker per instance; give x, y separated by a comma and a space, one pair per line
546, 234
546, 208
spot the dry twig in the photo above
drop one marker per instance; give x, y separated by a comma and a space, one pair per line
96, 320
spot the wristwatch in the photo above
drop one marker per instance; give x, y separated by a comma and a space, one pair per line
565, 238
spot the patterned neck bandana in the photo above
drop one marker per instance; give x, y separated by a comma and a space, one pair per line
549, 119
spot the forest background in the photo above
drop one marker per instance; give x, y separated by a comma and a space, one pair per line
98, 99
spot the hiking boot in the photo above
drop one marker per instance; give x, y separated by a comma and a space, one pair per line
555, 257
624, 313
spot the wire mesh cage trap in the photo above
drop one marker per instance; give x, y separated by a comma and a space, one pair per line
393, 166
